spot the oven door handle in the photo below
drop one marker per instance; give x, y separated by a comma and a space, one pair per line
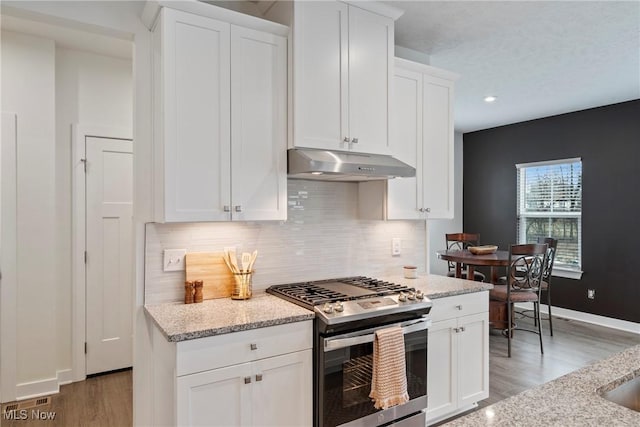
367, 336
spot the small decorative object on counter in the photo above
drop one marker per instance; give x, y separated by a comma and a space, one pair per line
197, 295
242, 285
188, 292
410, 272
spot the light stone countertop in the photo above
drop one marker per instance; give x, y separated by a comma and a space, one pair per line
435, 286
571, 400
180, 322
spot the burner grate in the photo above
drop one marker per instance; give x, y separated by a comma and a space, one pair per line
310, 294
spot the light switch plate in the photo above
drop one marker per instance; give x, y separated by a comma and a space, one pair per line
174, 259
396, 247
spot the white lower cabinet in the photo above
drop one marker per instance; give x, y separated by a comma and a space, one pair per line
268, 392
458, 357
261, 377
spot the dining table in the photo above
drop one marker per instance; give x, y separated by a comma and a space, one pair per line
496, 261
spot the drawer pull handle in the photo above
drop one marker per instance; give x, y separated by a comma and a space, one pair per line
247, 380
258, 377
254, 346
459, 306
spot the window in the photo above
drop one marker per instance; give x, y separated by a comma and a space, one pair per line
550, 205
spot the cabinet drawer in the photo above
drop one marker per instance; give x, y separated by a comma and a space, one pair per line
230, 349
459, 305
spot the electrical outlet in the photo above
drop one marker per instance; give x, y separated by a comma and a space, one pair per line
591, 293
174, 259
396, 247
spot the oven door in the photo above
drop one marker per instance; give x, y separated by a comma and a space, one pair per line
345, 370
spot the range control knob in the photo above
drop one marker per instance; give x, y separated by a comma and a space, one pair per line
327, 308
402, 297
412, 295
419, 294
338, 306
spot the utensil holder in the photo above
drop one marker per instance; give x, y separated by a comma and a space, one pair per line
242, 285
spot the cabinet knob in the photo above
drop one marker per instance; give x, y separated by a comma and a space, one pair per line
254, 346
238, 208
226, 208
346, 139
461, 328
247, 380
420, 209
459, 306
427, 210
258, 377
354, 140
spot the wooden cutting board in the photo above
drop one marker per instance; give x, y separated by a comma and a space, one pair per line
212, 270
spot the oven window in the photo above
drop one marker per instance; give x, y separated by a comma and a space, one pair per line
347, 379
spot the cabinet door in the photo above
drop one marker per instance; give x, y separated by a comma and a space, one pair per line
320, 54
259, 125
283, 395
473, 359
194, 72
442, 369
438, 147
404, 197
370, 74
219, 397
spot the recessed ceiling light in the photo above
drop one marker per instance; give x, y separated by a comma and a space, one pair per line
490, 98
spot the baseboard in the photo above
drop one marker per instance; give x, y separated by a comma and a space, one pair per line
609, 322
43, 387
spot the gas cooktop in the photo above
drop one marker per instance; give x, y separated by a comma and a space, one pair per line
351, 298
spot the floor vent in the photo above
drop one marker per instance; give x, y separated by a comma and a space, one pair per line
27, 404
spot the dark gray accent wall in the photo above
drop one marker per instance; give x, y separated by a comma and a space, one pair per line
608, 141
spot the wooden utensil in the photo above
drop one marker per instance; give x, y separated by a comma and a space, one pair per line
254, 255
245, 261
233, 260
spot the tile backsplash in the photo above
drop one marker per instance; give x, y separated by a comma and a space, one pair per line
321, 239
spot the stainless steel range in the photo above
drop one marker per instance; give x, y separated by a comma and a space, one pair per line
348, 312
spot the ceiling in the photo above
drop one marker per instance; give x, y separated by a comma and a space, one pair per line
539, 58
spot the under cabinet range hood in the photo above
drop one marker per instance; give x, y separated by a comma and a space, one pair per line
327, 165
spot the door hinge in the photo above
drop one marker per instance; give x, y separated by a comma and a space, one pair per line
85, 257
84, 163
85, 348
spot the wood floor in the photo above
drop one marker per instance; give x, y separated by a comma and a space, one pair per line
107, 400
100, 401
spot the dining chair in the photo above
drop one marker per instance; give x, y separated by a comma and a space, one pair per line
552, 246
524, 283
461, 241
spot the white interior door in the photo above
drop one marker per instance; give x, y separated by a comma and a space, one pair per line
109, 245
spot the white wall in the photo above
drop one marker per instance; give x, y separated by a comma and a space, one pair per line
122, 20
51, 88
28, 89
91, 89
438, 228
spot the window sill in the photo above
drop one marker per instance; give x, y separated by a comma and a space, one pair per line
568, 274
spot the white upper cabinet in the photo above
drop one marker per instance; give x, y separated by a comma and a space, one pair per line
220, 120
422, 136
342, 66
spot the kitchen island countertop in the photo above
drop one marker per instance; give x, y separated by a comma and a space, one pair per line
571, 400
180, 322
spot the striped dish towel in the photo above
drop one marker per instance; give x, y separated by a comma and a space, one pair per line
389, 379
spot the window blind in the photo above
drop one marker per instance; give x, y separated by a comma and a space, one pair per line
550, 205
